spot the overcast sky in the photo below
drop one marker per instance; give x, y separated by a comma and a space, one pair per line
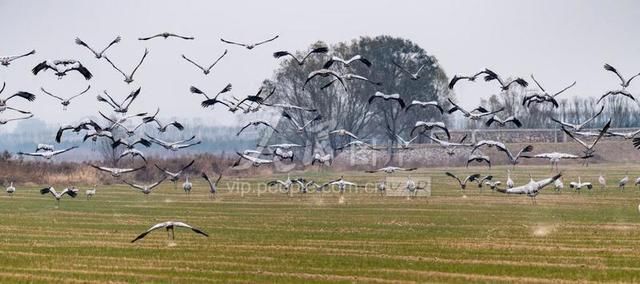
558, 41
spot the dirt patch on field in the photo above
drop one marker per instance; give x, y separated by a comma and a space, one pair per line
543, 230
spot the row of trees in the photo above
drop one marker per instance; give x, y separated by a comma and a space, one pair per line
622, 111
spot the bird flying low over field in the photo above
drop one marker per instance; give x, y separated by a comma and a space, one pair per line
502, 147
146, 188
578, 126
47, 154
391, 170
256, 162
479, 159
117, 172
175, 176
58, 195
532, 188
463, 183
213, 185
450, 146
340, 183
556, 157
589, 148
170, 227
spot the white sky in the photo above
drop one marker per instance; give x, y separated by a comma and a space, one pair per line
558, 41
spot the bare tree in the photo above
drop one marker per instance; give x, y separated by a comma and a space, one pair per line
111, 155
349, 109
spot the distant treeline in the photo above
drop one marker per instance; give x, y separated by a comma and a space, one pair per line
40, 172
215, 139
623, 112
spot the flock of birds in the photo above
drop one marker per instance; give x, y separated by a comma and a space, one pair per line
132, 140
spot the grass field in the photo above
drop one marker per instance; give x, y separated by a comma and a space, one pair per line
482, 237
